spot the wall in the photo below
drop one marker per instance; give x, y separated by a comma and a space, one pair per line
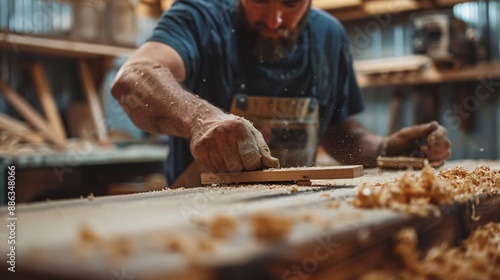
384, 36
390, 35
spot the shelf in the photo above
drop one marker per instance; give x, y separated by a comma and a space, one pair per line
347, 10
137, 153
431, 75
60, 47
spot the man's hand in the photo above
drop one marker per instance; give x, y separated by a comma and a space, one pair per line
227, 143
428, 140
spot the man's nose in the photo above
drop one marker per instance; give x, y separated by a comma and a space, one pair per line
274, 17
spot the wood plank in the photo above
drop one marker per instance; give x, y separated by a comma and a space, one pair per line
30, 114
19, 129
47, 100
356, 240
285, 174
401, 162
94, 102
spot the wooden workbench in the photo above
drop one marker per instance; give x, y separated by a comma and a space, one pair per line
324, 242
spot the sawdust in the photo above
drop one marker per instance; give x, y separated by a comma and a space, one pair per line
314, 219
423, 194
222, 226
293, 189
269, 226
118, 248
90, 243
88, 236
87, 242
477, 257
334, 204
192, 247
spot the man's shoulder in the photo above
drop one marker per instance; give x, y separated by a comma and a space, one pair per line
325, 23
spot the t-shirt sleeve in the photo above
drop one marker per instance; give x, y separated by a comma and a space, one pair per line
179, 28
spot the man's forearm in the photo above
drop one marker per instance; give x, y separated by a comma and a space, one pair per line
351, 143
156, 102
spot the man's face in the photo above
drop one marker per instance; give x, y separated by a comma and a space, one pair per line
275, 25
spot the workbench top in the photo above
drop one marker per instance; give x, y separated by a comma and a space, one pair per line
165, 234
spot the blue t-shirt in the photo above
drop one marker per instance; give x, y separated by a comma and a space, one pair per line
206, 34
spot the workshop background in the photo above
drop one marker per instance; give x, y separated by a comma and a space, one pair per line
416, 61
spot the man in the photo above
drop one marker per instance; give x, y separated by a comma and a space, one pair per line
279, 63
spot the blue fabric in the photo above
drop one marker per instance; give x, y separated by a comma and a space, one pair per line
205, 34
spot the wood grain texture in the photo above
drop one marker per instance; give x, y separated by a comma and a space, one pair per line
352, 242
285, 174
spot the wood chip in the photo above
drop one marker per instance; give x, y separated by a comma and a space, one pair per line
269, 227
221, 226
421, 194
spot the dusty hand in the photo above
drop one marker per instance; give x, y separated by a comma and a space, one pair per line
426, 140
227, 143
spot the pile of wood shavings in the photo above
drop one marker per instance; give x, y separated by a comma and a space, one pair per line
422, 194
478, 257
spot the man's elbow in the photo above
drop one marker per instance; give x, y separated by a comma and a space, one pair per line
121, 84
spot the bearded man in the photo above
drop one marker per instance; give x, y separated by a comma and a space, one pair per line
249, 84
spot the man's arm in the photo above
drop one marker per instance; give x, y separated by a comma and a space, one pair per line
351, 143
148, 88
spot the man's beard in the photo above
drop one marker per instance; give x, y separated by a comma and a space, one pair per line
267, 49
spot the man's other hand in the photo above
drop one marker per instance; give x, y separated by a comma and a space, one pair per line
428, 140
227, 143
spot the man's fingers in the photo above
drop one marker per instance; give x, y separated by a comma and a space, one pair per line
249, 153
438, 136
423, 130
267, 160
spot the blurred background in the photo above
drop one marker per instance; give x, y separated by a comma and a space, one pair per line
416, 61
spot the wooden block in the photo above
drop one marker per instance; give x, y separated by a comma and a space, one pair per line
30, 114
285, 174
47, 100
401, 162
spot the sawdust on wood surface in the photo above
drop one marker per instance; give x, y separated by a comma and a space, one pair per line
477, 257
222, 226
115, 248
89, 236
422, 194
269, 226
